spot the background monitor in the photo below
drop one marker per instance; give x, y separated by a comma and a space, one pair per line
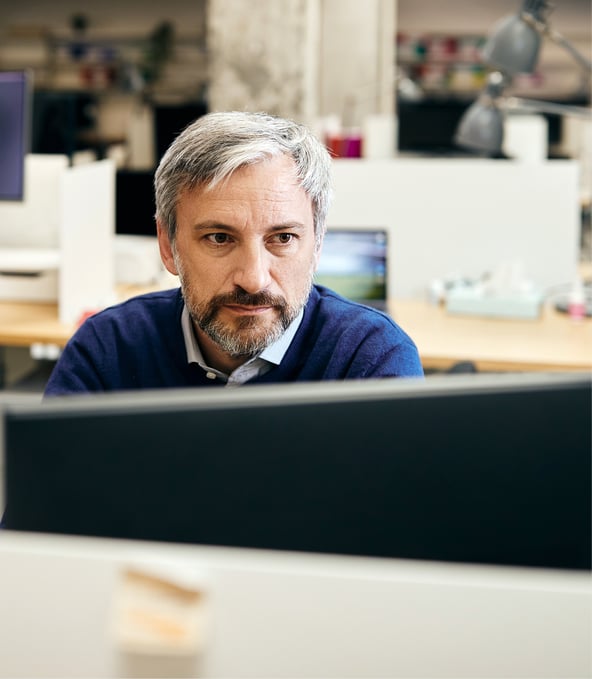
491, 469
171, 119
63, 122
135, 205
353, 262
15, 121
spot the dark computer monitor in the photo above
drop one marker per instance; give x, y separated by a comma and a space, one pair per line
171, 119
135, 204
488, 469
63, 122
15, 123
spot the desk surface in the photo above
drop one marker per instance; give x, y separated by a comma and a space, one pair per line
553, 342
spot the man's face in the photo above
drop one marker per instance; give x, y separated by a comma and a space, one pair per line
245, 254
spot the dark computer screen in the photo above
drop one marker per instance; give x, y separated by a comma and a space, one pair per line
135, 204
15, 99
134, 191
63, 121
429, 125
171, 119
483, 469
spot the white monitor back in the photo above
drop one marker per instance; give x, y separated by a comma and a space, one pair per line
464, 217
62, 236
87, 240
35, 221
69, 609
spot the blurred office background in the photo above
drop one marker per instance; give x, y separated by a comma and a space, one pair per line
108, 73
120, 78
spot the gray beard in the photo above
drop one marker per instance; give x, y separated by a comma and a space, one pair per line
241, 342
244, 340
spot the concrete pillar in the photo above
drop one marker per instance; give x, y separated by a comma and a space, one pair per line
263, 56
302, 58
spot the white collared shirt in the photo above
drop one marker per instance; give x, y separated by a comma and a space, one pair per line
258, 365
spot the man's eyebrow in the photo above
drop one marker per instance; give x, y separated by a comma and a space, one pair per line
295, 226
210, 224
213, 225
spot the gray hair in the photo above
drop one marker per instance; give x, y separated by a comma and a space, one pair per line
211, 148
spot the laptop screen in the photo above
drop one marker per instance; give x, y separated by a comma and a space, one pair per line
353, 262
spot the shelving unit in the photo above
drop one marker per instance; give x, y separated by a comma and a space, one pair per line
450, 65
445, 72
89, 86
442, 64
100, 63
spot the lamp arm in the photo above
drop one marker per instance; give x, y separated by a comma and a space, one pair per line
562, 41
519, 103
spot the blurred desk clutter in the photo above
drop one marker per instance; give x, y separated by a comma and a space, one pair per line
551, 342
504, 293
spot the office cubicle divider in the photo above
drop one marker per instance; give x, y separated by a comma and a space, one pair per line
58, 244
464, 217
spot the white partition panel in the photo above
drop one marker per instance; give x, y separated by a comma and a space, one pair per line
66, 603
86, 277
61, 236
464, 216
30, 233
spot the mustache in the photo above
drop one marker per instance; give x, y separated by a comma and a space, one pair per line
243, 298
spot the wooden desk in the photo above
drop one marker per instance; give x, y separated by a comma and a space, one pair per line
25, 323
552, 343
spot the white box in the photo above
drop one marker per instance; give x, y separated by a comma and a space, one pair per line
470, 301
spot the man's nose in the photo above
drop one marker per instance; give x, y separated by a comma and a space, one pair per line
252, 269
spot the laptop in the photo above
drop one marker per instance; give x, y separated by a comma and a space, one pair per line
353, 263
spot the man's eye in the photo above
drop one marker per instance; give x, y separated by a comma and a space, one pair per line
285, 238
218, 238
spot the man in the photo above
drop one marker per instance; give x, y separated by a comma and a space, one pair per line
241, 204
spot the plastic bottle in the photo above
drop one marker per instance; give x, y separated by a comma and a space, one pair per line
576, 305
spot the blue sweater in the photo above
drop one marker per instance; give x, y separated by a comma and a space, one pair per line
139, 344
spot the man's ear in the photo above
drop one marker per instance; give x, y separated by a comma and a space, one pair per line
166, 249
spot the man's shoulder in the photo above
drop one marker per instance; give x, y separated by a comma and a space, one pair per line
342, 339
330, 304
331, 315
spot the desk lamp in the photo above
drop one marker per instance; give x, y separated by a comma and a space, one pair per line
513, 48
